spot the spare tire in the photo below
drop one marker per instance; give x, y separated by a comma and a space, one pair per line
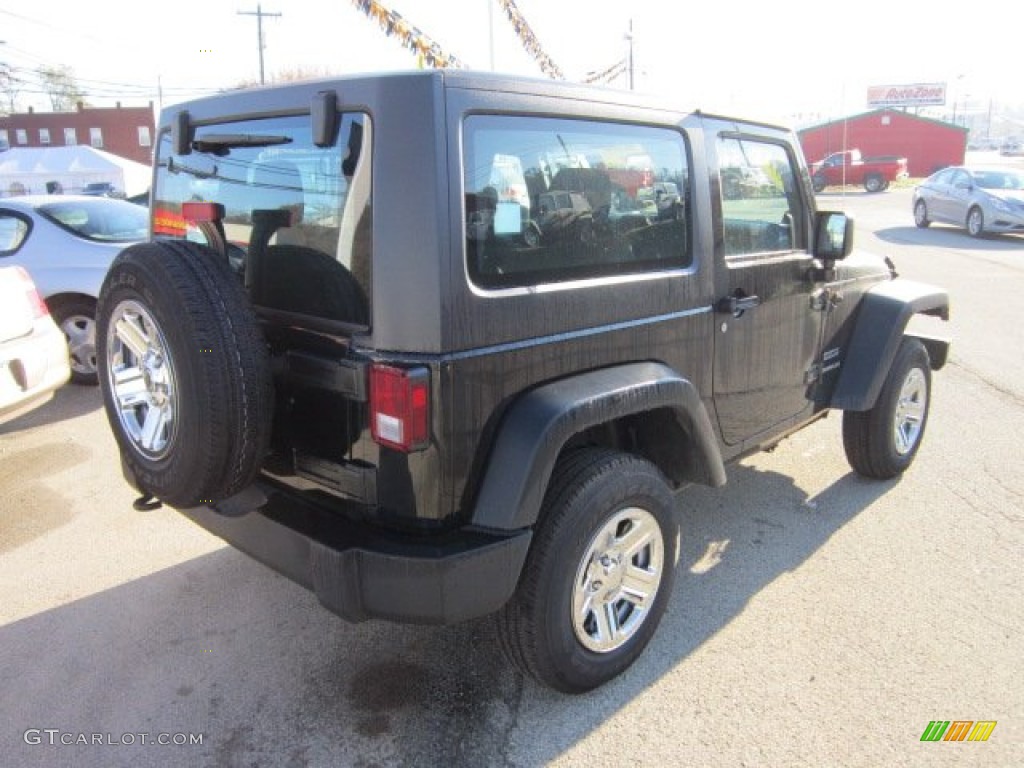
184, 372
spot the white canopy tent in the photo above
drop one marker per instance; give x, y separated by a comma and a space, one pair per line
37, 170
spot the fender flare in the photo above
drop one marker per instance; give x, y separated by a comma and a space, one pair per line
538, 425
881, 323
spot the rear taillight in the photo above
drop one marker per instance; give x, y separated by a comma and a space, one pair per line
199, 212
400, 407
39, 308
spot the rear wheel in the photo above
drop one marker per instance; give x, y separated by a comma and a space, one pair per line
975, 222
599, 574
184, 373
874, 183
921, 214
819, 182
531, 235
883, 441
77, 319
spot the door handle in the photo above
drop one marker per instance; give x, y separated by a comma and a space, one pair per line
738, 303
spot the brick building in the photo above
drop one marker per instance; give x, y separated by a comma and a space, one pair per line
927, 144
123, 131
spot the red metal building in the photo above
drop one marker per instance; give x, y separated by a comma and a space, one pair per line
927, 144
123, 131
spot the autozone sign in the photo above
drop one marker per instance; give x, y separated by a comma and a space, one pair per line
915, 95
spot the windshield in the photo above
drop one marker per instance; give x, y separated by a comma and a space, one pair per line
113, 221
999, 179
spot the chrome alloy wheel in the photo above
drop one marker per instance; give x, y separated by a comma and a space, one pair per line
142, 381
617, 580
975, 222
910, 410
80, 331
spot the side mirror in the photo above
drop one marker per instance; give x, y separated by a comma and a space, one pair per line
833, 235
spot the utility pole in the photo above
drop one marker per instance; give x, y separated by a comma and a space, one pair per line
629, 38
259, 14
490, 30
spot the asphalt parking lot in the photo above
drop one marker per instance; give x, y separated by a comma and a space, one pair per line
818, 618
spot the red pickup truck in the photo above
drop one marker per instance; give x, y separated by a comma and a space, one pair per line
840, 168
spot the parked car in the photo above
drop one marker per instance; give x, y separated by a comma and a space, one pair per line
428, 428
982, 199
983, 144
1012, 148
101, 189
67, 244
875, 173
566, 215
33, 355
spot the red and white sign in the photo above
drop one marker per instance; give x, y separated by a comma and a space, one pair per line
914, 95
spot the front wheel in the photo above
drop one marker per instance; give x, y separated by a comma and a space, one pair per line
975, 222
599, 574
921, 214
882, 442
531, 235
819, 182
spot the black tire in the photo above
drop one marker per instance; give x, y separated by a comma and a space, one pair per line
309, 281
531, 235
882, 442
819, 182
586, 232
874, 183
975, 222
592, 491
76, 317
191, 414
921, 214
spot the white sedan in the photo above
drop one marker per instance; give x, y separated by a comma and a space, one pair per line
67, 243
33, 353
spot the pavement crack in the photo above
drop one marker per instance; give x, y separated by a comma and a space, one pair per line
1016, 397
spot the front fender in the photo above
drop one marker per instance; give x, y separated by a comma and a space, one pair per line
881, 322
539, 424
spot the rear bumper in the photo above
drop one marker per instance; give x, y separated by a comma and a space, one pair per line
32, 368
361, 573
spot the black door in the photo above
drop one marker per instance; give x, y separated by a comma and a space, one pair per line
768, 334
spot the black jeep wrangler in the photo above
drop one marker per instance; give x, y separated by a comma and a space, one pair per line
366, 347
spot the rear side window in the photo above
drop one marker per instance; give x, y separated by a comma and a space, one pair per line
550, 200
13, 231
296, 216
104, 220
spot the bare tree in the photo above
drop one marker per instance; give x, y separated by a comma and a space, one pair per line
60, 85
287, 76
10, 86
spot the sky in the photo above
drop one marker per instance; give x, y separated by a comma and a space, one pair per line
790, 61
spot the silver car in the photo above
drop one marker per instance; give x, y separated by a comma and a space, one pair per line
983, 200
66, 243
33, 355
